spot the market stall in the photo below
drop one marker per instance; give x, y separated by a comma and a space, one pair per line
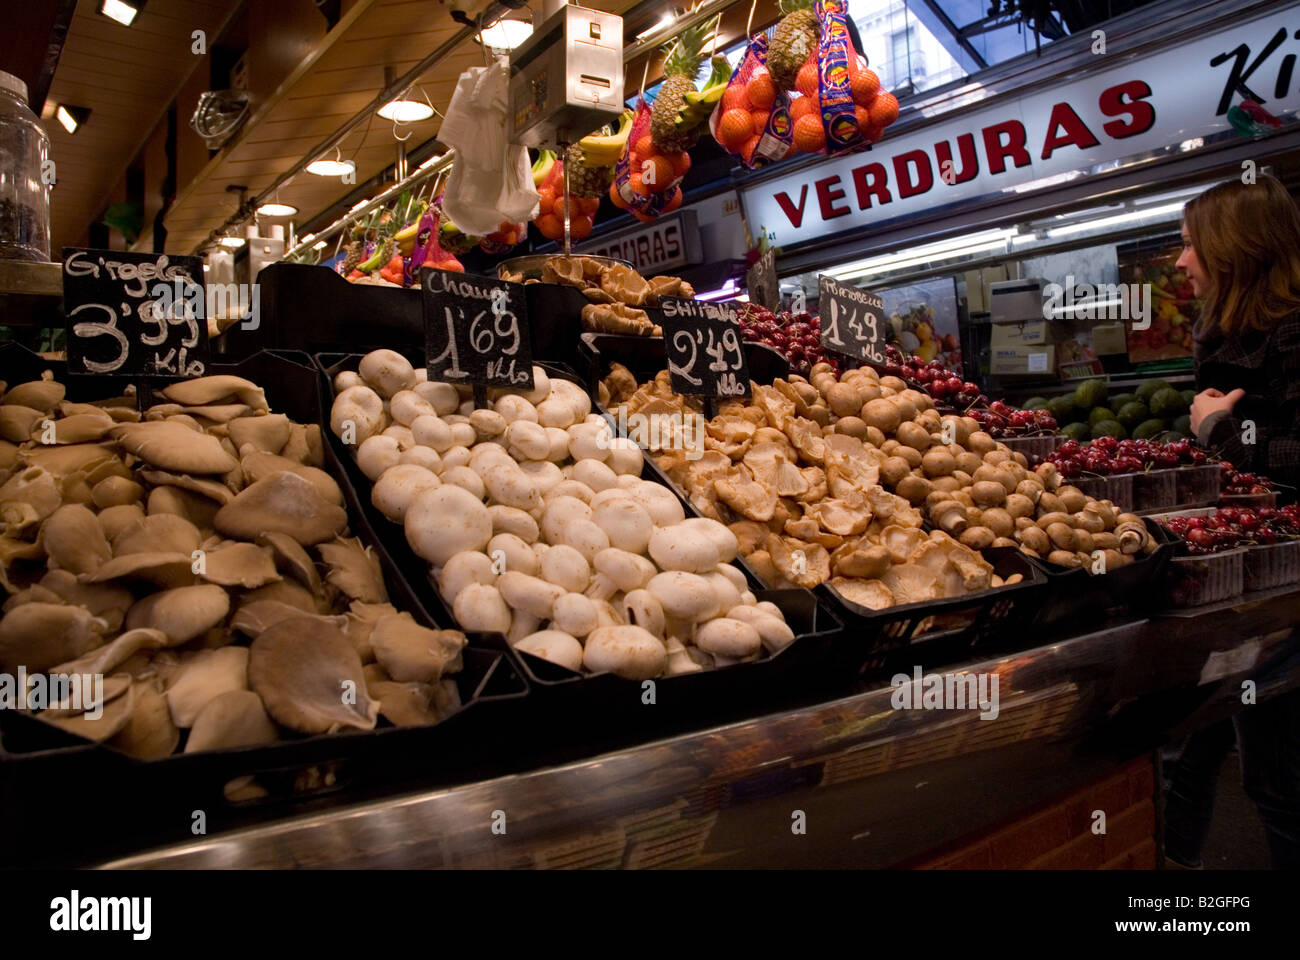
473, 529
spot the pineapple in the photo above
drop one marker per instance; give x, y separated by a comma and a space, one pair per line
795, 37
587, 181
681, 65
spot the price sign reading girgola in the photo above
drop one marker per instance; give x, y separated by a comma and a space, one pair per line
853, 321
475, 330
706, 356
140, 314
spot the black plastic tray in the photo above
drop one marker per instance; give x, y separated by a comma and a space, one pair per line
151, 802
937, 632
1077, 597
562, 703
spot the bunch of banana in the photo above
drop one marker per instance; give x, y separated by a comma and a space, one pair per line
406, 236
700, 103
603, 149
542, 167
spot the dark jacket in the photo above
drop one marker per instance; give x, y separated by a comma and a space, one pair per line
1266, 364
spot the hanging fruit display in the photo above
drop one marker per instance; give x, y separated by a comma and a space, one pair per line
680, 110
794, 41
752, 119
550, 208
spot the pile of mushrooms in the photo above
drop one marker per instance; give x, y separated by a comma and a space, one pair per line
537, 525
831, 479
806, 500
197, 557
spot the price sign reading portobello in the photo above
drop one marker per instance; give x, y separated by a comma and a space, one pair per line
137, 314
474, 330
706, 356
853, 321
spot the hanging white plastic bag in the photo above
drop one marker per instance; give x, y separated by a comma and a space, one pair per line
491, 179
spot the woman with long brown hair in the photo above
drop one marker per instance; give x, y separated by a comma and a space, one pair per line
1241, 251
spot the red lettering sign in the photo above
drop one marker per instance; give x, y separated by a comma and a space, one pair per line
1142, 115
1075, 131
871, 180
998, 152
789, 209
826, 198
909, 185
970, 164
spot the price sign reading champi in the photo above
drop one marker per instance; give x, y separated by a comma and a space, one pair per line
706, 356
475, 330
853, 321
138, 314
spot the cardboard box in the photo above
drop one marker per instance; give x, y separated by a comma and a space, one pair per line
1031, 334
1023, 361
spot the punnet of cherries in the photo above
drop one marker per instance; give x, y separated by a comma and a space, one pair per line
1107, 456
1230, 527
797, 337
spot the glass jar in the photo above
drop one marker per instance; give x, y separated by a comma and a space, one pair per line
24, 195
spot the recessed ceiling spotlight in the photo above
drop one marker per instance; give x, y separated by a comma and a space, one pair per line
121, 11
71, 118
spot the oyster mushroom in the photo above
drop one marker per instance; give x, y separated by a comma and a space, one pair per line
183, 613
78, 428
109, 657
415, 704
258, 465
239, 565
253, 619
354, 570
205, 390
149, 732
173, 447
112, 718
158, 533
266, 433
74, 540
359, 624
206, 487
236, 718
291, 558
290, 592
194, 507
411, 653
18, 422
203, 677
310, 678
165, 570
36, 487
42, 395
39, 635
281, 503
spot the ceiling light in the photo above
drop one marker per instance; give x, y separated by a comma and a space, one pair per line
121, 11
331, 168
944, 249
234, 243
1087, 225
71, 118
320, 245
405, 111
430, 162
276, 210
506, 34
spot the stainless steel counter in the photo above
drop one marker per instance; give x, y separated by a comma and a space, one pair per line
852, 782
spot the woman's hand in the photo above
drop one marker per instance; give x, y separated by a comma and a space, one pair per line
1211, 401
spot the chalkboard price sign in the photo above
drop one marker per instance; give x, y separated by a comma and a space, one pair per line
475, 330
853, 321
706, 356
138, 314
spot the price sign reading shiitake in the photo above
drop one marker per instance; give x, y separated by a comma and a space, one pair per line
138, 314
853, 321
475, 330
706, 356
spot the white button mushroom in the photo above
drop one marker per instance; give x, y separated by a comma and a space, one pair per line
407, 405
664, 507
515, 554
725, 637
426, 457
566, 567
510, 486
387, 371
466, 567
480, 607
530, 594
513, 407
560, 512
625, 522
774, 632
555, 646
541, 386
357, 412
627, 571
575, 614
376, 454
463, 434
734, 575
466, 479
514, 520
684, 596
641, 608
625, 457
527, 440
585, 537
432, 431
346, 378
726, 592
441, 396
441, 523
398, 486
559, 441
543, 473
570, 488
626, 651
487, 424
721, 536
681, 548
455, 456
405, 439
594, 474
590, 441
521, 625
